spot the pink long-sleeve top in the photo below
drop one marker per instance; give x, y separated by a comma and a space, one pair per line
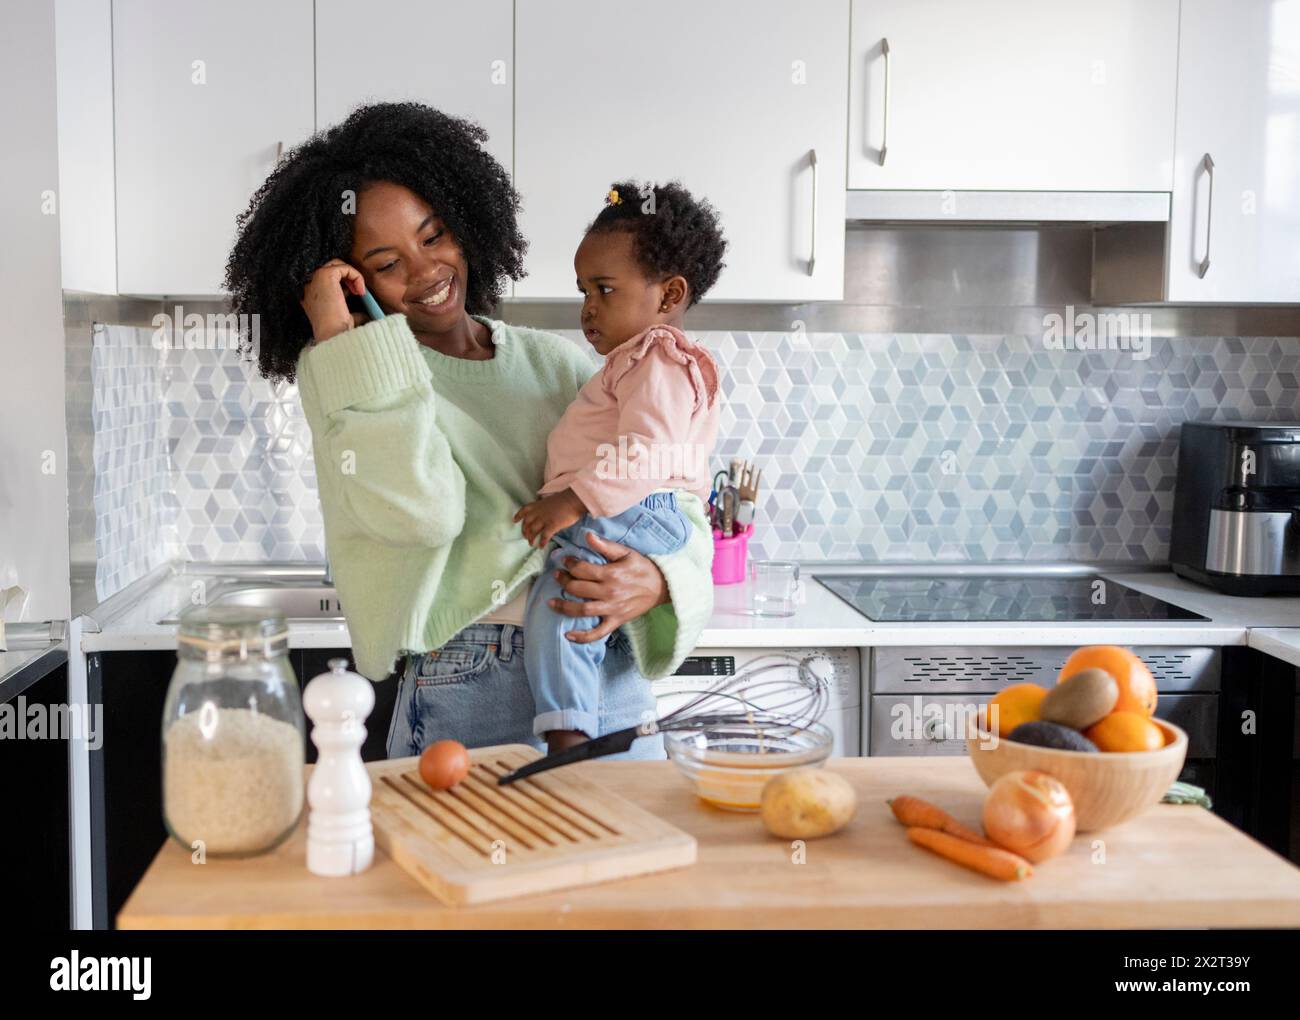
647, 420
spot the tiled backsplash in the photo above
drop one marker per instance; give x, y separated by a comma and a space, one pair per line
873, 447
135, 528
976, 448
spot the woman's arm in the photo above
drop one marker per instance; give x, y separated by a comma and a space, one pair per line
380, 454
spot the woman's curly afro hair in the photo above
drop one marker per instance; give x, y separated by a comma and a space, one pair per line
677, 235
300, 218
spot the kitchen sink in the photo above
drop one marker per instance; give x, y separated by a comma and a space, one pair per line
305, 600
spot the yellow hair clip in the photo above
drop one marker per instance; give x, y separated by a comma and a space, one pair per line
612, 198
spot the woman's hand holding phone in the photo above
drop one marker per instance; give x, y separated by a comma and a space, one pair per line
325, 301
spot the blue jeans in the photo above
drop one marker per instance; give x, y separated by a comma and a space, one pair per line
473, 689
565, 676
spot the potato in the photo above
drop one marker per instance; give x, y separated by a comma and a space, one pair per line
807, 803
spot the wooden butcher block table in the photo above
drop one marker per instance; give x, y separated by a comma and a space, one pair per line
1174, 866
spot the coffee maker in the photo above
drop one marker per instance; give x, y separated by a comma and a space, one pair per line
1236, 520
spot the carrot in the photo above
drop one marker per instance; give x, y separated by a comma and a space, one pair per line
987, 860
913, 811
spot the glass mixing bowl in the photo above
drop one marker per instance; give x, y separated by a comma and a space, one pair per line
728, 763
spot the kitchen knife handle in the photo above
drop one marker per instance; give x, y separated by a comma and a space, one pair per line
597, 747
727, 503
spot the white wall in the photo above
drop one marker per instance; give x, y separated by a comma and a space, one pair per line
33, 437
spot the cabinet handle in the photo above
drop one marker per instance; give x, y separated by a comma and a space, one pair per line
1207, 164
884, 137
812, 257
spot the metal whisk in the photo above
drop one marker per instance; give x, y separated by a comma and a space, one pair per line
774, 696
766, 695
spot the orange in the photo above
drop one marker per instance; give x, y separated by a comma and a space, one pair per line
1137, 687
1019, 703
1126, 731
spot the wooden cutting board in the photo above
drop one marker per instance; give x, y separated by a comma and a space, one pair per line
479, 842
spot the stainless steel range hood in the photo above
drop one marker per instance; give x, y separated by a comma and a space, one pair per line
1125, 232
1007, 206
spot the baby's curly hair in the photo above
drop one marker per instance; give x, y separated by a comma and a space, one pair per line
298, 219
682, 237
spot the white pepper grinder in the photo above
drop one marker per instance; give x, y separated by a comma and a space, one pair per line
340, 840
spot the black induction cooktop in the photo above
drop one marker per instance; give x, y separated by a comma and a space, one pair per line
994, 598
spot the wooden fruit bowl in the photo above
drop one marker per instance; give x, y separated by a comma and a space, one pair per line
1107, 787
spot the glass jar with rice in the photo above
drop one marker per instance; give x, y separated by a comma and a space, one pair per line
233, 734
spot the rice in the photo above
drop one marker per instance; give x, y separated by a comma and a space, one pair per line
240, 788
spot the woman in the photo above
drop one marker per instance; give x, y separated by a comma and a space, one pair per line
429, 428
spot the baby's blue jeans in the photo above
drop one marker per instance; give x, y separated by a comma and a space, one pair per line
566, 676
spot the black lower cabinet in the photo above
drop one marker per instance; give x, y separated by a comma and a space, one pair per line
34, 855
128, 767
1256, 762
133, 686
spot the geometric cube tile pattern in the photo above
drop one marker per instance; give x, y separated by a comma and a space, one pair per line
882, 448
80, 406
134, 528
911, 448
244, 482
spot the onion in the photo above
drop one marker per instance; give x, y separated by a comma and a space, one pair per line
1031, 814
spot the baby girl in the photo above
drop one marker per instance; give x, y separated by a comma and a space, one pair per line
642, 427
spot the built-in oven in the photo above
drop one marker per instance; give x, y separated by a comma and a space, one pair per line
920, 698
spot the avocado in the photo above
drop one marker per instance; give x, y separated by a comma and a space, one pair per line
1046, 734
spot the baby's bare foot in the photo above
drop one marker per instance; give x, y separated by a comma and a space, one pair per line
562, 740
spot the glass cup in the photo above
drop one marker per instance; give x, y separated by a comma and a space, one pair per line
774, 587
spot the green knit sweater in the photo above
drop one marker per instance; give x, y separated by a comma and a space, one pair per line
422, 460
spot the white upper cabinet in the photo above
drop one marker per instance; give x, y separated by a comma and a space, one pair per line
34, 448
206, 95
452, 56
1012, 95
86, 187
733, 97
1234, 232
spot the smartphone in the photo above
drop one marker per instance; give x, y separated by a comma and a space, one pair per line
371, 306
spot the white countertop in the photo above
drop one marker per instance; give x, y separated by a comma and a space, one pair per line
129, 620
826, 620
1279, 643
